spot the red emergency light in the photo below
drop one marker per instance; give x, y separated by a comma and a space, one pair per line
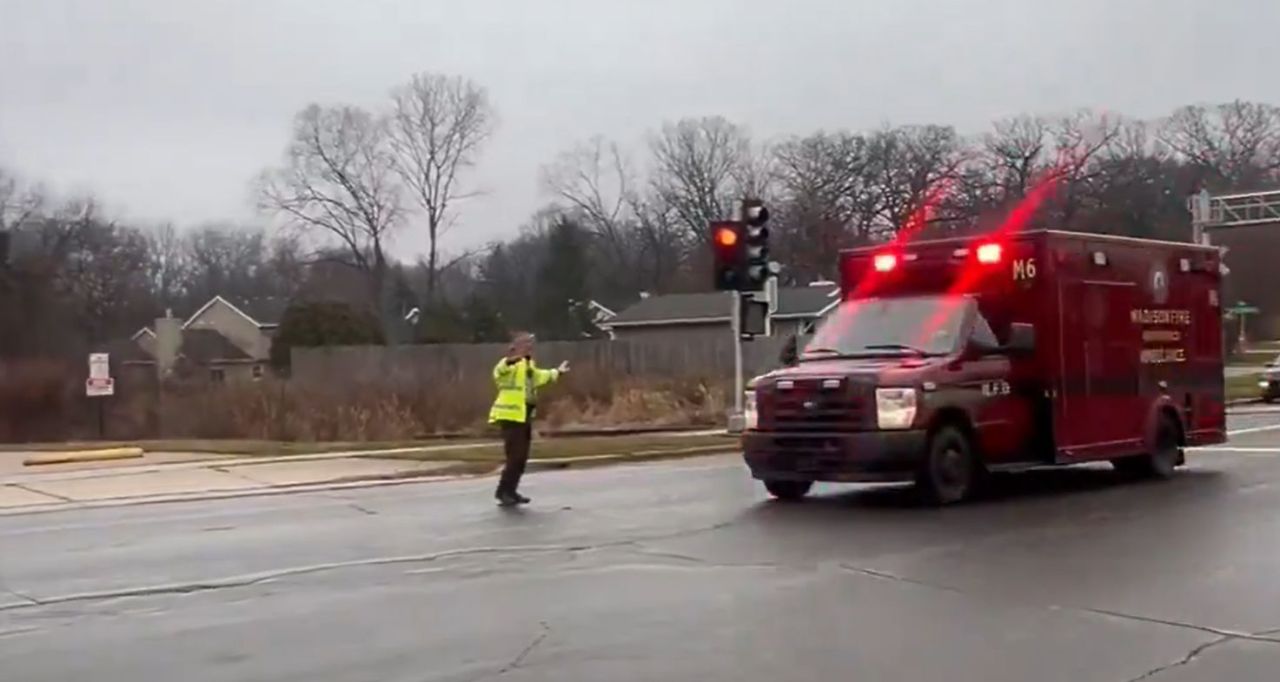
885, 262
990, 254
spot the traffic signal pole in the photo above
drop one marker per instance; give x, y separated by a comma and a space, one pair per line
741, 266
739, 381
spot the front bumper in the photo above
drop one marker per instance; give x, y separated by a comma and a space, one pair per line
870, 456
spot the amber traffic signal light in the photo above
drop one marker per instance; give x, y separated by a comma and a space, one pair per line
728, 253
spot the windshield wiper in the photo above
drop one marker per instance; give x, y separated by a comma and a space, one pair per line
824, 354
896, 346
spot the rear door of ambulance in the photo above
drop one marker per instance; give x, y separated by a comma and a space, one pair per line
1099, 411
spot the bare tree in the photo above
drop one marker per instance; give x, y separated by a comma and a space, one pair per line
595, 180
912, 169
168, 266
338, 181
106, 278
701, 166
1014, 152
18, 203
1080, 142
823, 187
595, 183
439, 126
661, 243
1236, 144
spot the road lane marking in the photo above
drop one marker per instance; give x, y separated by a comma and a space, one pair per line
1254, 410
1255, 429
1228, 448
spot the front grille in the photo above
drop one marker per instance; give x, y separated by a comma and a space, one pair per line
808, 406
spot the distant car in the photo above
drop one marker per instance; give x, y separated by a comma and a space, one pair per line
1270, 383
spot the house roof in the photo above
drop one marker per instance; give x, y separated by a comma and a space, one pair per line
793, 302
264, 311
267, 311
127, 350
207, 345
201, 346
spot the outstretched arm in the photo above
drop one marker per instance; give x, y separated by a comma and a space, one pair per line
504, 371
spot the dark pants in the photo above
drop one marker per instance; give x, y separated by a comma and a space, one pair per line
516, 438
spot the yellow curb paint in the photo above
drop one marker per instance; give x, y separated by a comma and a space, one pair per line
73, 456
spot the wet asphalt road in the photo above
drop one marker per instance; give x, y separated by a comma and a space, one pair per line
665, 572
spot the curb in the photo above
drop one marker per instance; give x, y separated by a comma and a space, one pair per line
628, 431
73, 456
358, 482
645, 456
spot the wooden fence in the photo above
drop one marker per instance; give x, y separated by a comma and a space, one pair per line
644, 359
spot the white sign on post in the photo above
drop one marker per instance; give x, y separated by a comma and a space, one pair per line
100, 383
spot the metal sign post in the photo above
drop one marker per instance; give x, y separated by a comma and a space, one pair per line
100, 385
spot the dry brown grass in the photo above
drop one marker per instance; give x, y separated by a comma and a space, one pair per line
634, 402
35, 399
44, 401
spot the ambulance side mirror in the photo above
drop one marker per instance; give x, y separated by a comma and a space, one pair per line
1022, 339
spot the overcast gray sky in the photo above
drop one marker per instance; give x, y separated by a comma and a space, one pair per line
168, 108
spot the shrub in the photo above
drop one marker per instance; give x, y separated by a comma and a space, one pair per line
36, 400
313, 324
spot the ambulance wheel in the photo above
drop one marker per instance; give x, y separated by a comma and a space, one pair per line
1162, 461
788, 491
951, 472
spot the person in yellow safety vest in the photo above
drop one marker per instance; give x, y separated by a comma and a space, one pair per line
518, 379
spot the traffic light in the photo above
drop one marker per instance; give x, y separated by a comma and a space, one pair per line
729, 250
4, 247
756, 217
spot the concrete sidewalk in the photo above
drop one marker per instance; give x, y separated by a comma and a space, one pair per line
188, 478
175, 475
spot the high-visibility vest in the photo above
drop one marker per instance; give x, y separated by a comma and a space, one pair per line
517, 385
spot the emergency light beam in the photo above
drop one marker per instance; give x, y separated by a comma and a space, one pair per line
887, 261
914, 223
1015, 222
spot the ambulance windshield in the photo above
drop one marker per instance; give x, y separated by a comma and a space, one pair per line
880, 327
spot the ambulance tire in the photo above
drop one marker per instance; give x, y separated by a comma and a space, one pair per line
1162, 462
951, 472
788, 491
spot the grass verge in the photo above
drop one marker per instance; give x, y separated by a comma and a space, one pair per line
604, 449
1243, 387
1254, 358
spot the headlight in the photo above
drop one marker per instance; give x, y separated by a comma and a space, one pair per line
750, 418
895, 408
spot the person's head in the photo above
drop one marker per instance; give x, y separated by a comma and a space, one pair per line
522, 344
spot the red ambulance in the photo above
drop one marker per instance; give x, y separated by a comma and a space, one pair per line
949, 359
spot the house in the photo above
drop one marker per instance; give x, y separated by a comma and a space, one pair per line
224, 340
697, 317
